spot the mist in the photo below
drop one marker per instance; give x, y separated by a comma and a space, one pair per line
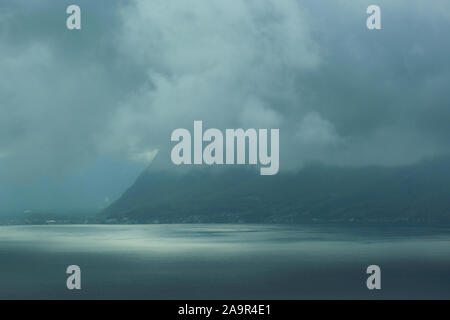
84, 112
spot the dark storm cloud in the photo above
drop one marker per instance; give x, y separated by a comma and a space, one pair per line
337, 90
139, 69
385, 90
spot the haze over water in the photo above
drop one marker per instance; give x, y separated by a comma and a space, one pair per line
223, 261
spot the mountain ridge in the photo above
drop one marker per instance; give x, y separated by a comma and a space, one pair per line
317, 193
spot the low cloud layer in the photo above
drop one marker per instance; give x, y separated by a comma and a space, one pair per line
112, 93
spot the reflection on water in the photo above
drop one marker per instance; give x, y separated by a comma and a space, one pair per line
223, 261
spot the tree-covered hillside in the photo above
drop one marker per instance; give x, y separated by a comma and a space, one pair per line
317, 193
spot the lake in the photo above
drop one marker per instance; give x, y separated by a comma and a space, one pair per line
218, 261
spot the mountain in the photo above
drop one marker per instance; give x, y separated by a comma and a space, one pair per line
413, 194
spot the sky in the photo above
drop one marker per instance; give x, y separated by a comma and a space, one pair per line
84, 112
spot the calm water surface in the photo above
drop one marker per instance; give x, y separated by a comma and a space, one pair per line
223, 261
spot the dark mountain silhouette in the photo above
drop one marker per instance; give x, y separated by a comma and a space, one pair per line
413, 194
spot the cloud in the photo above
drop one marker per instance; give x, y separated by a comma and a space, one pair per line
229, 64
315, 130
255, 114
113, 92
145, 156
266, 63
